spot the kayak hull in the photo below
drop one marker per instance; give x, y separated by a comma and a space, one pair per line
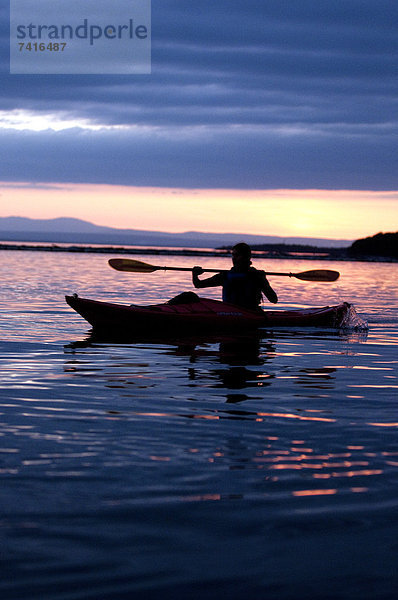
200, 315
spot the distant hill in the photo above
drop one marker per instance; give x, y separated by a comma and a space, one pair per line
78, 231
61, 224
381, 244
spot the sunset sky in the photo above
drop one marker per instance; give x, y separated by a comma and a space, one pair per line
269, 116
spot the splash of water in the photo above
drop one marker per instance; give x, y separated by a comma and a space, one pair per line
353, 321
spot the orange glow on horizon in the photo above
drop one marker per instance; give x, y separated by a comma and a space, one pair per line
329, 214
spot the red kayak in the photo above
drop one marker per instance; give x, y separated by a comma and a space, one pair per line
189, 312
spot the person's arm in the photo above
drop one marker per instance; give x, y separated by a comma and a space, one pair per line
267, 290
204, 283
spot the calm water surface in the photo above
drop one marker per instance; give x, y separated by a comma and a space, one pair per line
262, 467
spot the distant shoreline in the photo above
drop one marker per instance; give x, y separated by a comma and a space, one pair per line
334, 254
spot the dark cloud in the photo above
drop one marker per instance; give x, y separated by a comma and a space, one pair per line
211, 157
242, 94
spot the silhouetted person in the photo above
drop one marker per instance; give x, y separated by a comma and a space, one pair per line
243, 285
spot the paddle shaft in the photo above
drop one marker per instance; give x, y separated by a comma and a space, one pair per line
220, 270
136, 266
186, 269
320, 276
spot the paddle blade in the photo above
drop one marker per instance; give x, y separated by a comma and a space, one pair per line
132, 266
318, 275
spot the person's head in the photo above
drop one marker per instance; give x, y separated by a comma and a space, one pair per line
241, 255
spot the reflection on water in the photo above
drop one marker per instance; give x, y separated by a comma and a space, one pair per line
219, 376
254, 466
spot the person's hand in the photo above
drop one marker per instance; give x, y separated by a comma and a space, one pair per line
197, 271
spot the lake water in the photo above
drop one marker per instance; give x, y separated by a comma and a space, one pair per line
263, 468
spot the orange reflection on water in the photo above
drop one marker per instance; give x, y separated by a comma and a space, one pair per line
333, 455
349, 474
384, 424
316, 466
159, 414
207, 417
293, 416
295, 467
308, 465
330, 492
153, 414
213, 497
268, 452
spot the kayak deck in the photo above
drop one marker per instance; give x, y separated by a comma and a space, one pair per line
199, 314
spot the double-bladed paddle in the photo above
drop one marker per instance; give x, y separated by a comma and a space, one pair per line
136, 266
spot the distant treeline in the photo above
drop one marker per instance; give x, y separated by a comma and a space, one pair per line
289, 249
381, 244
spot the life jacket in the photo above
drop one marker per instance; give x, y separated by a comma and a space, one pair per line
242, 289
